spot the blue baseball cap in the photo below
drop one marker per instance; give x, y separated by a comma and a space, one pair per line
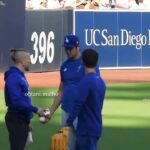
71, 41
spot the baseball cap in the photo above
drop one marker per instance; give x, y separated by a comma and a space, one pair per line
71, 41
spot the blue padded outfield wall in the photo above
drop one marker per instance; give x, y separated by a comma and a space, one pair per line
121, 38
44, 34
12, 28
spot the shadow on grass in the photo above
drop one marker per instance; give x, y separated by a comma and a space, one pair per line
112, 139
41, 136
125, 139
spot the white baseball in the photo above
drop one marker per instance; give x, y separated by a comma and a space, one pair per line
42, 119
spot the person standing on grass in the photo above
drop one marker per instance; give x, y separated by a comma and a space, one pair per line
71, 72
19, 107
88, 105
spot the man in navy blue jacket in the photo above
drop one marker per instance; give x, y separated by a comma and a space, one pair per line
88, 105
20, 110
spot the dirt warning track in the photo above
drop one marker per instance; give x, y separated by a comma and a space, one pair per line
52, 79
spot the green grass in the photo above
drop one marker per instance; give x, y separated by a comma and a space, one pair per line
126, 119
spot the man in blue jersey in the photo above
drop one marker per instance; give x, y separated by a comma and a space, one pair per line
88, 105
71, 72
20, 110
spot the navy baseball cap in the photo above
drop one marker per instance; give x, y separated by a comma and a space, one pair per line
71, 41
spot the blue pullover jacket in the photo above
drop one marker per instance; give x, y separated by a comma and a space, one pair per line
71, 72
16, 95
88, 106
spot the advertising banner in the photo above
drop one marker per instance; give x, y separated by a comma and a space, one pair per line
121, 38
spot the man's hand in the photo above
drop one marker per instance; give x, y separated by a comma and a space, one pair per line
45, 118
40, 112
49, 115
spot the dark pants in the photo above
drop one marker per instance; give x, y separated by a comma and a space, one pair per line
86, 143
18, 132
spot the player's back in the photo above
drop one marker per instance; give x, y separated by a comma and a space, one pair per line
92, 91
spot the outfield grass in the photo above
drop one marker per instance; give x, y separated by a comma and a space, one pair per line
126, 119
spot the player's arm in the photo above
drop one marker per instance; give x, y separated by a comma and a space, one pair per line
57, 100
79, 102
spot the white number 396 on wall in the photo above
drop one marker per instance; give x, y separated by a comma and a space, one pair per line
43, 47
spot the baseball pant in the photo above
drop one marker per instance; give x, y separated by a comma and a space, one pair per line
72, 132
86, 143
18, 132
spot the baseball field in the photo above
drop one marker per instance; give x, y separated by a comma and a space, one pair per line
126, 114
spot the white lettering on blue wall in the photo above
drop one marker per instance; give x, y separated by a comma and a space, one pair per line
102, 37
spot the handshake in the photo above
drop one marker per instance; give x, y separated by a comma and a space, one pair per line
44, 115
